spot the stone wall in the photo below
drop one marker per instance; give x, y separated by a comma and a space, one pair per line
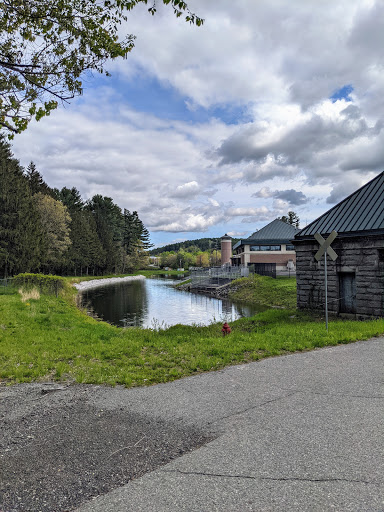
363, 256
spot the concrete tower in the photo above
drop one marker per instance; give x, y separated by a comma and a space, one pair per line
226, 249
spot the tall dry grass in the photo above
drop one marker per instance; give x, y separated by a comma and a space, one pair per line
29, 294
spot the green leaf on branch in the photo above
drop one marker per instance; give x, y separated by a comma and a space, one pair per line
74, 36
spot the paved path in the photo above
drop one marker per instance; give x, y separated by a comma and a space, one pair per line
302, 432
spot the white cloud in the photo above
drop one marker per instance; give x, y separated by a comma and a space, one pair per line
267, 71
190, 189
242, 212
188, 223
238, 234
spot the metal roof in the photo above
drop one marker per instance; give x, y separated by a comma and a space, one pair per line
362, 213
276, 232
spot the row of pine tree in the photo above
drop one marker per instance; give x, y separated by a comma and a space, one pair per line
55, 231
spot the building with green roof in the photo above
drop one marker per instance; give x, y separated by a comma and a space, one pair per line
271, 244
356, 277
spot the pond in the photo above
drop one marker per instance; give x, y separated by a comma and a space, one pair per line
155, 303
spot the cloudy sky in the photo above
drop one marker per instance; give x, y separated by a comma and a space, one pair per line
270, 106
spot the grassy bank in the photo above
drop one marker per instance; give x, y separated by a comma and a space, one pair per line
265, 291
48, 338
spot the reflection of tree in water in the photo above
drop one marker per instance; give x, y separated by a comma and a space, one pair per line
134, 305
154, 303
122, 304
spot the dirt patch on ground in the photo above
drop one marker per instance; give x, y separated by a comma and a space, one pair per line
58, 450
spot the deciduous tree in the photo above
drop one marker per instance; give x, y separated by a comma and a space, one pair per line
46, 46
55, 220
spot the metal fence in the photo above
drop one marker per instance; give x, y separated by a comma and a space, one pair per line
265, 269
6, 285
215, 277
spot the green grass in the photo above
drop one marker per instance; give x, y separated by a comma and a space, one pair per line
265, 291
50, 339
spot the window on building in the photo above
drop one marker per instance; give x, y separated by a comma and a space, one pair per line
290, 247
265, 247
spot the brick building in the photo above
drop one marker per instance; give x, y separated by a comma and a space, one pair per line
271, 244
356, 277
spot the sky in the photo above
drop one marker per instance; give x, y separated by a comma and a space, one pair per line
271, 106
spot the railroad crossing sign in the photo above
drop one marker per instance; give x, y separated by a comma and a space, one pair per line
325, 246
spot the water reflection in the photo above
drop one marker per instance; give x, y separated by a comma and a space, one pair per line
156, 303
123, 304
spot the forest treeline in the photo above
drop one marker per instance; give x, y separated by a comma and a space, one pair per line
191, 246
202, 252
55, 231
186, 258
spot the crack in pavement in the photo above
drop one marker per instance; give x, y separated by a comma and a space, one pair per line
324, 393
253, 407
274, 479
344, 396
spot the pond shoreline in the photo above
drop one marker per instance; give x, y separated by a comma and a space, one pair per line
147, 302
95, 283
219, 293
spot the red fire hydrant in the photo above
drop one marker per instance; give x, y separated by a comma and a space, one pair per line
226, 329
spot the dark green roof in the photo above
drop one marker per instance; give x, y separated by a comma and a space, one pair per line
360, 213
276, 232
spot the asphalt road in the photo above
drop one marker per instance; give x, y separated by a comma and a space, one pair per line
302, 432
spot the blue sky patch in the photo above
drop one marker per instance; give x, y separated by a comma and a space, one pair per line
149, 95
342, 94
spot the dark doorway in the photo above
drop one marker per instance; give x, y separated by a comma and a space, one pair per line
347, 288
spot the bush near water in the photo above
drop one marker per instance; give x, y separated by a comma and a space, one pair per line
44, 283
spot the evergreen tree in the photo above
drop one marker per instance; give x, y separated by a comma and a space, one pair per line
20, 230
42, 229
109, 225
95, 254
85, 253
135, 233
292, 218
36, 181
71, 198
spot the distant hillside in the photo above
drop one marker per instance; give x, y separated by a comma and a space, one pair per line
201, 244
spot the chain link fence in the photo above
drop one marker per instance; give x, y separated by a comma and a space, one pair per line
6, 285
215, 277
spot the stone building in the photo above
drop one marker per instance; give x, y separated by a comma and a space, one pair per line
356, 277
271, 244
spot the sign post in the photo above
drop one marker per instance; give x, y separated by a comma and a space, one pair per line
325, 247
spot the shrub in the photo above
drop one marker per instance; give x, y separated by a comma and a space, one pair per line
50, 285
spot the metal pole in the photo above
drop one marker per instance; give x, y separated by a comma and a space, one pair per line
326, 290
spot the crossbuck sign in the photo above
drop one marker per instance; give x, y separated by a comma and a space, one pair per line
325, 248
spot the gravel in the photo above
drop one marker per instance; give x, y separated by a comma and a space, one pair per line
95, 283
58, 450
